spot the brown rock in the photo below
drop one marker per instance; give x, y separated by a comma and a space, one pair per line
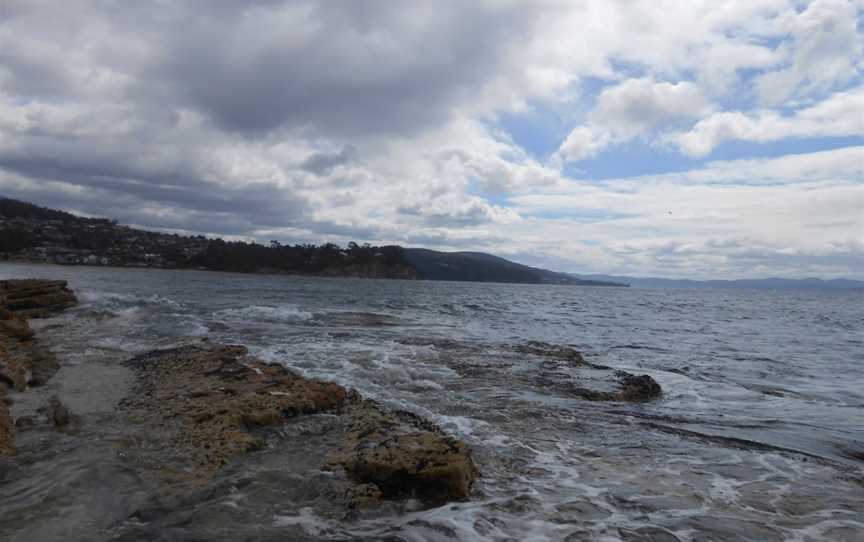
36, 298
16, 329
209, 399
404, 455
7, 430
204, 405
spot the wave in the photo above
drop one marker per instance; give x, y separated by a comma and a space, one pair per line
265, 313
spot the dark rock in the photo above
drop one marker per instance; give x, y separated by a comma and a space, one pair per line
16, 328
565, 353
638, 388
36, 298
647, 534
25, 422
7, 430
58, 415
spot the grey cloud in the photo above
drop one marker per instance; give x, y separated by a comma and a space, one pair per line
323, 163
348, 68
254, 73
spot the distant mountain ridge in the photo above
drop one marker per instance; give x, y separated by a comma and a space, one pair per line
37, 234
482, 267
766, 283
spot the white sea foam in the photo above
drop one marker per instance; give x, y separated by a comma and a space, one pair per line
265, 313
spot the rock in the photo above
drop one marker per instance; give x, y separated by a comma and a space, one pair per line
36, 298
22, 361
206, 405
363, 495
58, 415
210, 399
405, 455
16, 329
638, 388
7, 430
25, 422
565, 353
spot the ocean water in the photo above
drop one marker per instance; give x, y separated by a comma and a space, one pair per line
759, 434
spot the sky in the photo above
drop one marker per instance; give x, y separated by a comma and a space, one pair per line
691, 138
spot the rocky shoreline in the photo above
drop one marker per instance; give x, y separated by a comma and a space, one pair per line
200, 407
24, 363
186, 419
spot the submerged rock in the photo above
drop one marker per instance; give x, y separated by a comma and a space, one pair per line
538, 348
563, 368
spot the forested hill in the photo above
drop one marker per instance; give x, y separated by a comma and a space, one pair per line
481, 267
36, 234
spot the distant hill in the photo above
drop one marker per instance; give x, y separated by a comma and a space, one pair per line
35, 234
481, 267
768, 283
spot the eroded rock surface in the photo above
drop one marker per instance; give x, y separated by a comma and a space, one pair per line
7, 432
37, 298
402, 454
23, 362
564, 368
205, 405
566, 353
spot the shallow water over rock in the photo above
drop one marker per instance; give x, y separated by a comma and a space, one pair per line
757, 433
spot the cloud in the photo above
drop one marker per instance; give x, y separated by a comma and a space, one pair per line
825, 51
388, 122
630, 109
719, 220
842, 114
321, 163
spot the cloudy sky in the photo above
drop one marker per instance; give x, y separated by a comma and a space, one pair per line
697, 138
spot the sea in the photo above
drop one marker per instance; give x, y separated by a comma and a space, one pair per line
758, 434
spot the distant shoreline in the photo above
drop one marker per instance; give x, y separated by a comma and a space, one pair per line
286, 274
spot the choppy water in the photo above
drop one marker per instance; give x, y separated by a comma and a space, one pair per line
759, 434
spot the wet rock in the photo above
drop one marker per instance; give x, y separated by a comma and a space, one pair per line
638, 388
7, 430
563, 368
58, 415
209, 400
405, 455
363, 495
207, 404
23, 361
36, 298
16, 329
538, 348
25, 422
647, 534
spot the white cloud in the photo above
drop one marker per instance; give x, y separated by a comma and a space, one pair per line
842, 114
825, 51
382, 122
632, 108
